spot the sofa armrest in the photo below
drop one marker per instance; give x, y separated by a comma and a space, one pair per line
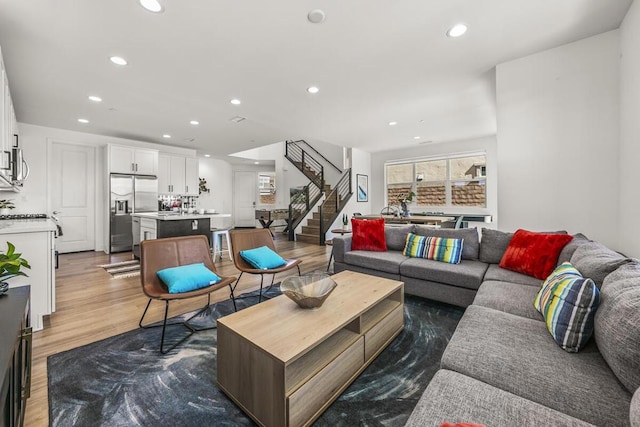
341, 245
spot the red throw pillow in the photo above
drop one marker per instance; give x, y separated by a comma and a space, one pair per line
534, 254
368, 235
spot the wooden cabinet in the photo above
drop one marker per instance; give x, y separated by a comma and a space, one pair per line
15, 356
8, 123
139, 161
284, 365
177, 175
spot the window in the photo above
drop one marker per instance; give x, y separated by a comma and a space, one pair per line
267, 188
453, 181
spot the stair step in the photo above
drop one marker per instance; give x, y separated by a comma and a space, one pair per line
313, 223
308, 229
307, 238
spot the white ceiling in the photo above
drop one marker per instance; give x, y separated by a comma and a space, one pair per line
374, 61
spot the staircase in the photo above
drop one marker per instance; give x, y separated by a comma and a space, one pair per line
334, 198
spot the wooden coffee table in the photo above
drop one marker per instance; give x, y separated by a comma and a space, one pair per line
284, 365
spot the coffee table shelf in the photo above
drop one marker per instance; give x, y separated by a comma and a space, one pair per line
284, 365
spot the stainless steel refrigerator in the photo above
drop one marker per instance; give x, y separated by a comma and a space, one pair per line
129, 194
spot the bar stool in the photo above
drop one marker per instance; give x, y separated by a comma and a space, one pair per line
216, 242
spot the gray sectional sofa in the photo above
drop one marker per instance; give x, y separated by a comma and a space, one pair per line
502, 367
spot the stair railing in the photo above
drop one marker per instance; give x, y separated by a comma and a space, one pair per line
301, 204
305, 163
302, 141
334, 202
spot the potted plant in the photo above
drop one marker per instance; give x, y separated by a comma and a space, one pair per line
404, 201
345, 221
10, 264
5, 206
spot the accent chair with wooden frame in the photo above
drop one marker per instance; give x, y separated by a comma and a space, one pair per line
242, 240
158, 254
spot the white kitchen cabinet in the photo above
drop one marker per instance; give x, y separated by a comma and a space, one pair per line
139, 161
171, 174
192, 182
148, 229
38, 248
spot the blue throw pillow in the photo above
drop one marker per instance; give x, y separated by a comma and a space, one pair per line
263, 258
187, 278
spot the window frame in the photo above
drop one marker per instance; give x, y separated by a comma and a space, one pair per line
449, 182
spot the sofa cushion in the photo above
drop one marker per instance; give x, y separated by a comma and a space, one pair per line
368, 235
568, 303
535, 254
493, 245
467, 274
396, 236
455, 397
470, 236
634, 414
617, 324
494, 272
508, 297
436, 248
596, 261
518, 355
341, 245
382, 261
579, 239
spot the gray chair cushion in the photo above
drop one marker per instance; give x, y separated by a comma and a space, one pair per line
396, 236
596, 261
467, 274
494, 272
617, 324
382, 261
511, 298
567, 252
634, 414
519, 355
493, 244
455, 398
470, 246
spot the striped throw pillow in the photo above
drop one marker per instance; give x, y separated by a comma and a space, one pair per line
435, 248
568, 303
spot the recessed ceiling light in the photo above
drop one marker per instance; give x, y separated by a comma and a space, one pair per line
95, 98
256, 163
194, 122
316, 16
85, 121
235, 101
166, 135
207, 155
416, 137
313, 89
457, 30
393, 123
118, 60
152, 5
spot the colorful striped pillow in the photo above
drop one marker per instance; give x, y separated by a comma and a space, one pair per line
435, 248
568, 303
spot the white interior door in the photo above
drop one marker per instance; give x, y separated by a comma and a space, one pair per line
72, 195
245, 186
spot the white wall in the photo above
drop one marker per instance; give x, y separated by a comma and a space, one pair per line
219, 177
486, 144
629, 207
557, 141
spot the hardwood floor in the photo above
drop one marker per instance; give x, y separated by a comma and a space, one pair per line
91, 306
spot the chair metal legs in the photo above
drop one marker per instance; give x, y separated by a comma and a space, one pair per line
233, 298
192, 329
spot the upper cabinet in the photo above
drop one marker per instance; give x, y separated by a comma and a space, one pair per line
177, 175
138, 161
8, 123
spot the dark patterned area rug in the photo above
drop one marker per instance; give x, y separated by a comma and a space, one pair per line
125, 381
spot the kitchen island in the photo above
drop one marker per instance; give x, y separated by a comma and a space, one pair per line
157, 225
34, 239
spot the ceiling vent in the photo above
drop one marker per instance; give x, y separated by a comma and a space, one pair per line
237, 119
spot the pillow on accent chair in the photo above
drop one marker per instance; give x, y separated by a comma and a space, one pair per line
568, 303
534, 254
186, 278
368, 235
263, 258
435, 248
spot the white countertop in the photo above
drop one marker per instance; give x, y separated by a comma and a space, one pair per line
26, 225
177, 217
